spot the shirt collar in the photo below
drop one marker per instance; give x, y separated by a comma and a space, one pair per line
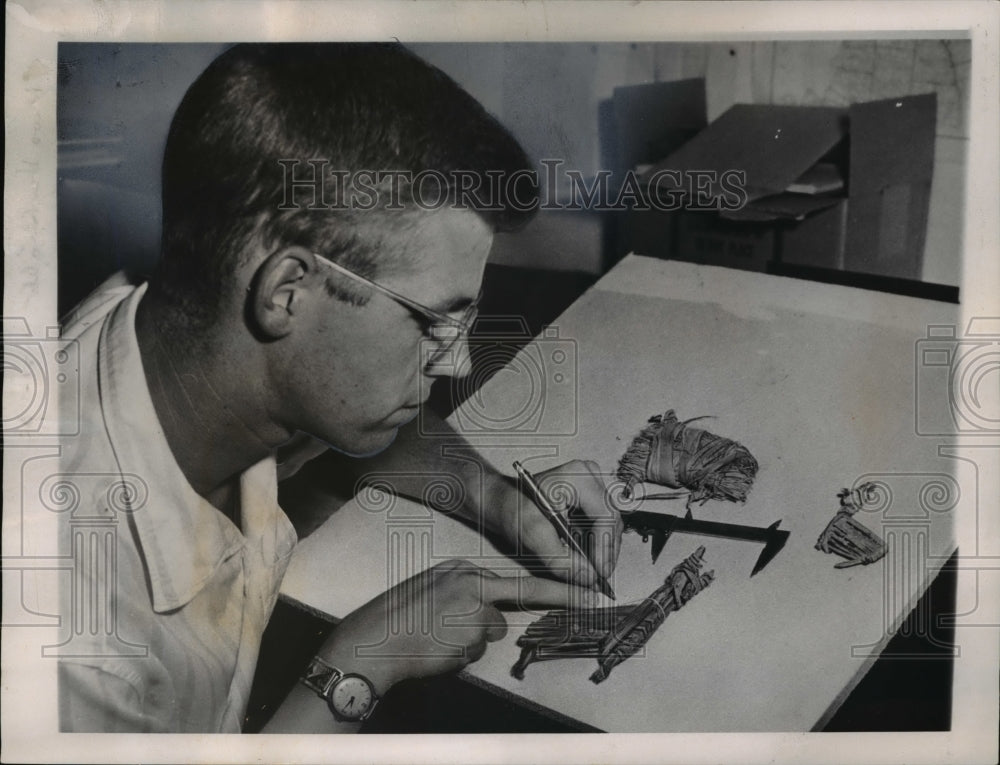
183, 538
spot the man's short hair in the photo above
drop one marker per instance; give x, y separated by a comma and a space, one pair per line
250, 124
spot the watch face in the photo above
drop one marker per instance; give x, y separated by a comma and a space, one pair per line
352, 697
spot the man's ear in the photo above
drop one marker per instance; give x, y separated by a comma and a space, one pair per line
278, 288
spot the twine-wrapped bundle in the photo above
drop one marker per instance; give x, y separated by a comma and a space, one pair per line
611, 635
634, 631
562, 634
674, 454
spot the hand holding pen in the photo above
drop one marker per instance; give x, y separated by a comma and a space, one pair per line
560, 523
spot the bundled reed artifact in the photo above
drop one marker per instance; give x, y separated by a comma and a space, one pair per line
672, 453
611, 635
846, 536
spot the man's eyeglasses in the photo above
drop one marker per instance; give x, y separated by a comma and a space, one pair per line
445, 328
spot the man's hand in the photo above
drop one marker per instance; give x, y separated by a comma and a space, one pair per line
578, 491
438, 621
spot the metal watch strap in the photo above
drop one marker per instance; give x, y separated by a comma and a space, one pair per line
321, 676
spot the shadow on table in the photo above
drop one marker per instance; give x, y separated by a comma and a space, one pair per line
907, 689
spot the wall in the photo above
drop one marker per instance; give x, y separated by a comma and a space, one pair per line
837, 73
114, 106
116, 101
549, 94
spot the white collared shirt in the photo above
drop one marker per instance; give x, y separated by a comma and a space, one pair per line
168, 598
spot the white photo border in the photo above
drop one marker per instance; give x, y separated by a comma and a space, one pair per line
34, 30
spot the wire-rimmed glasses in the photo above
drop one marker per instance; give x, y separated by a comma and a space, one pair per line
445, 329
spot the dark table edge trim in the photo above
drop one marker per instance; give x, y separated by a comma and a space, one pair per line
466, 677
532, 706
876, 653
582, 727
311, 610
909, 287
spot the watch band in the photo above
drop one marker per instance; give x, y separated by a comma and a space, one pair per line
321, 676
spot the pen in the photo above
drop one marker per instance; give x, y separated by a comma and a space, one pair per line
558, 522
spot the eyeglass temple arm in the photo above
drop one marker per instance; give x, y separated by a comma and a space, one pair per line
437, 316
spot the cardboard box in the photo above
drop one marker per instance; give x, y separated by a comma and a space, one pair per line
892, 165
648, 232
706, 238
875, 224
641, 124
772, 145
652, 120
817, 240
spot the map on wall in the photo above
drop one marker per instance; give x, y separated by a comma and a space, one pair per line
867, 70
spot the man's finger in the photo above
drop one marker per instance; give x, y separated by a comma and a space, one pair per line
475, 651
598, 524
572, 567
593, 500
605, 524
601, 541
496, 625
487, 623
533, 592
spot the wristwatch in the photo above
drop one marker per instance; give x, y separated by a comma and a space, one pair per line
351, 697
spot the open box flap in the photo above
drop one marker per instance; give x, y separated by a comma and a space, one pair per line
653, 119
892, 142
773, 145
892, 167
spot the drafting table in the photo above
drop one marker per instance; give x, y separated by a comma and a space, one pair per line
824, 384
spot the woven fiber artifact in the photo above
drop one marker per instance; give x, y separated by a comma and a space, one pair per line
675, 454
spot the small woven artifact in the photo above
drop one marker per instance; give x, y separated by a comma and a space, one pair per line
672, 453
846, 536
611, 635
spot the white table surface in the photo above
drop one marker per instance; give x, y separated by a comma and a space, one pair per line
818, 381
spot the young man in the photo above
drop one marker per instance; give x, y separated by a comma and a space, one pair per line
305, 298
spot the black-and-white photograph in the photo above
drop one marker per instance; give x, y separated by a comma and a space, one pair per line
627, 382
